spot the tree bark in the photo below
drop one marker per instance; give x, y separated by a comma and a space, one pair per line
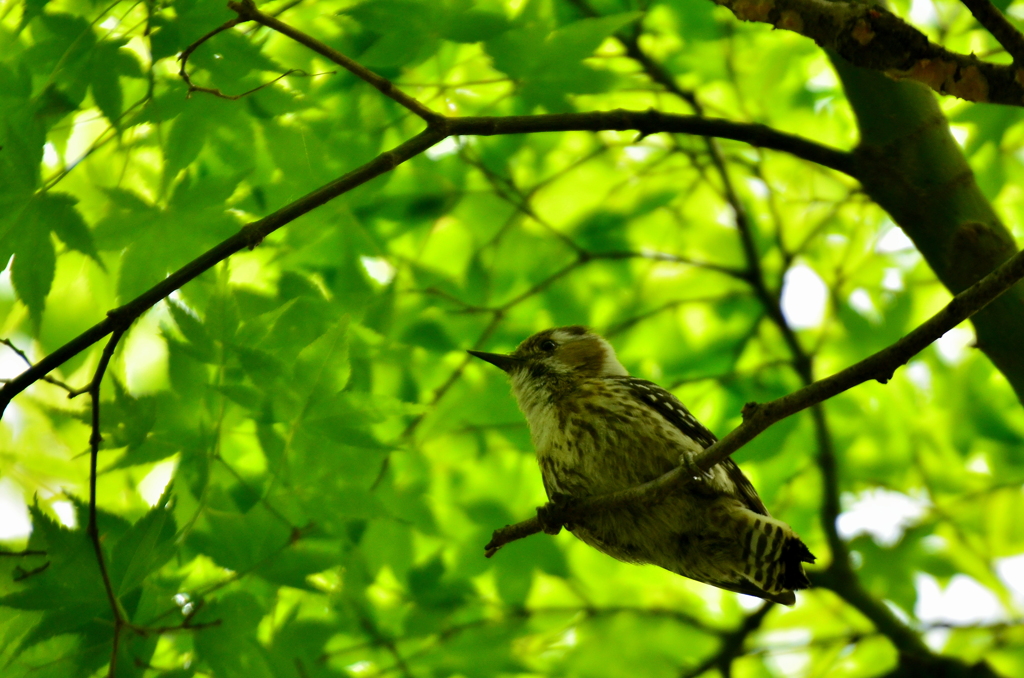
910, 164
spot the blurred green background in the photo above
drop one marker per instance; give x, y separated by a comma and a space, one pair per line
297, 449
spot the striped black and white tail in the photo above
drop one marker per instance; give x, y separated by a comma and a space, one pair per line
772, 559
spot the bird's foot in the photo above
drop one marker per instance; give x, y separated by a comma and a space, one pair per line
692, 470
552, 515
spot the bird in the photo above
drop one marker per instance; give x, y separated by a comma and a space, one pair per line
597, 430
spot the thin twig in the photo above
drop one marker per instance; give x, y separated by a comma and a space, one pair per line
22, 575
246, 10
735, 273
187, 52
989, 16
192, 87
629, 323
93, 529
48, 379
21, 554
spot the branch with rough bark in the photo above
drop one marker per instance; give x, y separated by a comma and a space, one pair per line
758, 417
873, 37
989, 16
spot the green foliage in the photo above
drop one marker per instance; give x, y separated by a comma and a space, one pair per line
335, 461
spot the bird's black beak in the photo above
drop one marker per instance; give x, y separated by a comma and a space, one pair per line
505, 362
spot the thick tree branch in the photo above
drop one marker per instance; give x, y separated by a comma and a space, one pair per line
910, 164
758, 417
872, 37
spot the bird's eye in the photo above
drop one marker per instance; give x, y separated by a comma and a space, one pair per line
548, 345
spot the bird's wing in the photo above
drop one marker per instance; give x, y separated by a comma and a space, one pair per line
669, 407
744, 487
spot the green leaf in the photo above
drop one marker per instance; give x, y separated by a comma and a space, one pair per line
187, 137
322, 367
406, 30
241, 541
23, 139
229, 56
698, 20
475, 25
192, 328
386, 542
35, 263
430, 335
104, 81
58, 211
141, 551
33, 8
230, 647
222, 317
578, 40
66, 589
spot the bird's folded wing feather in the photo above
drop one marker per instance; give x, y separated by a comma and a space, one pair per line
669, 407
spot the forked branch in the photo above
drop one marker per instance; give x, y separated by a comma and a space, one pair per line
872, 37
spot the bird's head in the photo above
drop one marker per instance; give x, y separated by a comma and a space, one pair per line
556, 357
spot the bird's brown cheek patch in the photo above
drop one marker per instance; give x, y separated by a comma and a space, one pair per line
585, 356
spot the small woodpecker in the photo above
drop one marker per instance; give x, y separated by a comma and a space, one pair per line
598, 430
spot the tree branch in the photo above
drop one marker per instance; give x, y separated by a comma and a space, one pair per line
913, 168
246, 10
439, 127
873, 37
651, 122
999, 26
756, 418
249, 237
732, 644
94, 452
646, 122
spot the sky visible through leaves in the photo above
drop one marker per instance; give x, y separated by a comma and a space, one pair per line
300, 465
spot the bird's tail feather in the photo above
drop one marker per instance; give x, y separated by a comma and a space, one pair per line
772, 556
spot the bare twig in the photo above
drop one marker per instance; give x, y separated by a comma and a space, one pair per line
999, 26
668, 258
246, 10
629, 323
21, 554
22, 575
93, 529
192, 87
187, 52
757, 417
48, 379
